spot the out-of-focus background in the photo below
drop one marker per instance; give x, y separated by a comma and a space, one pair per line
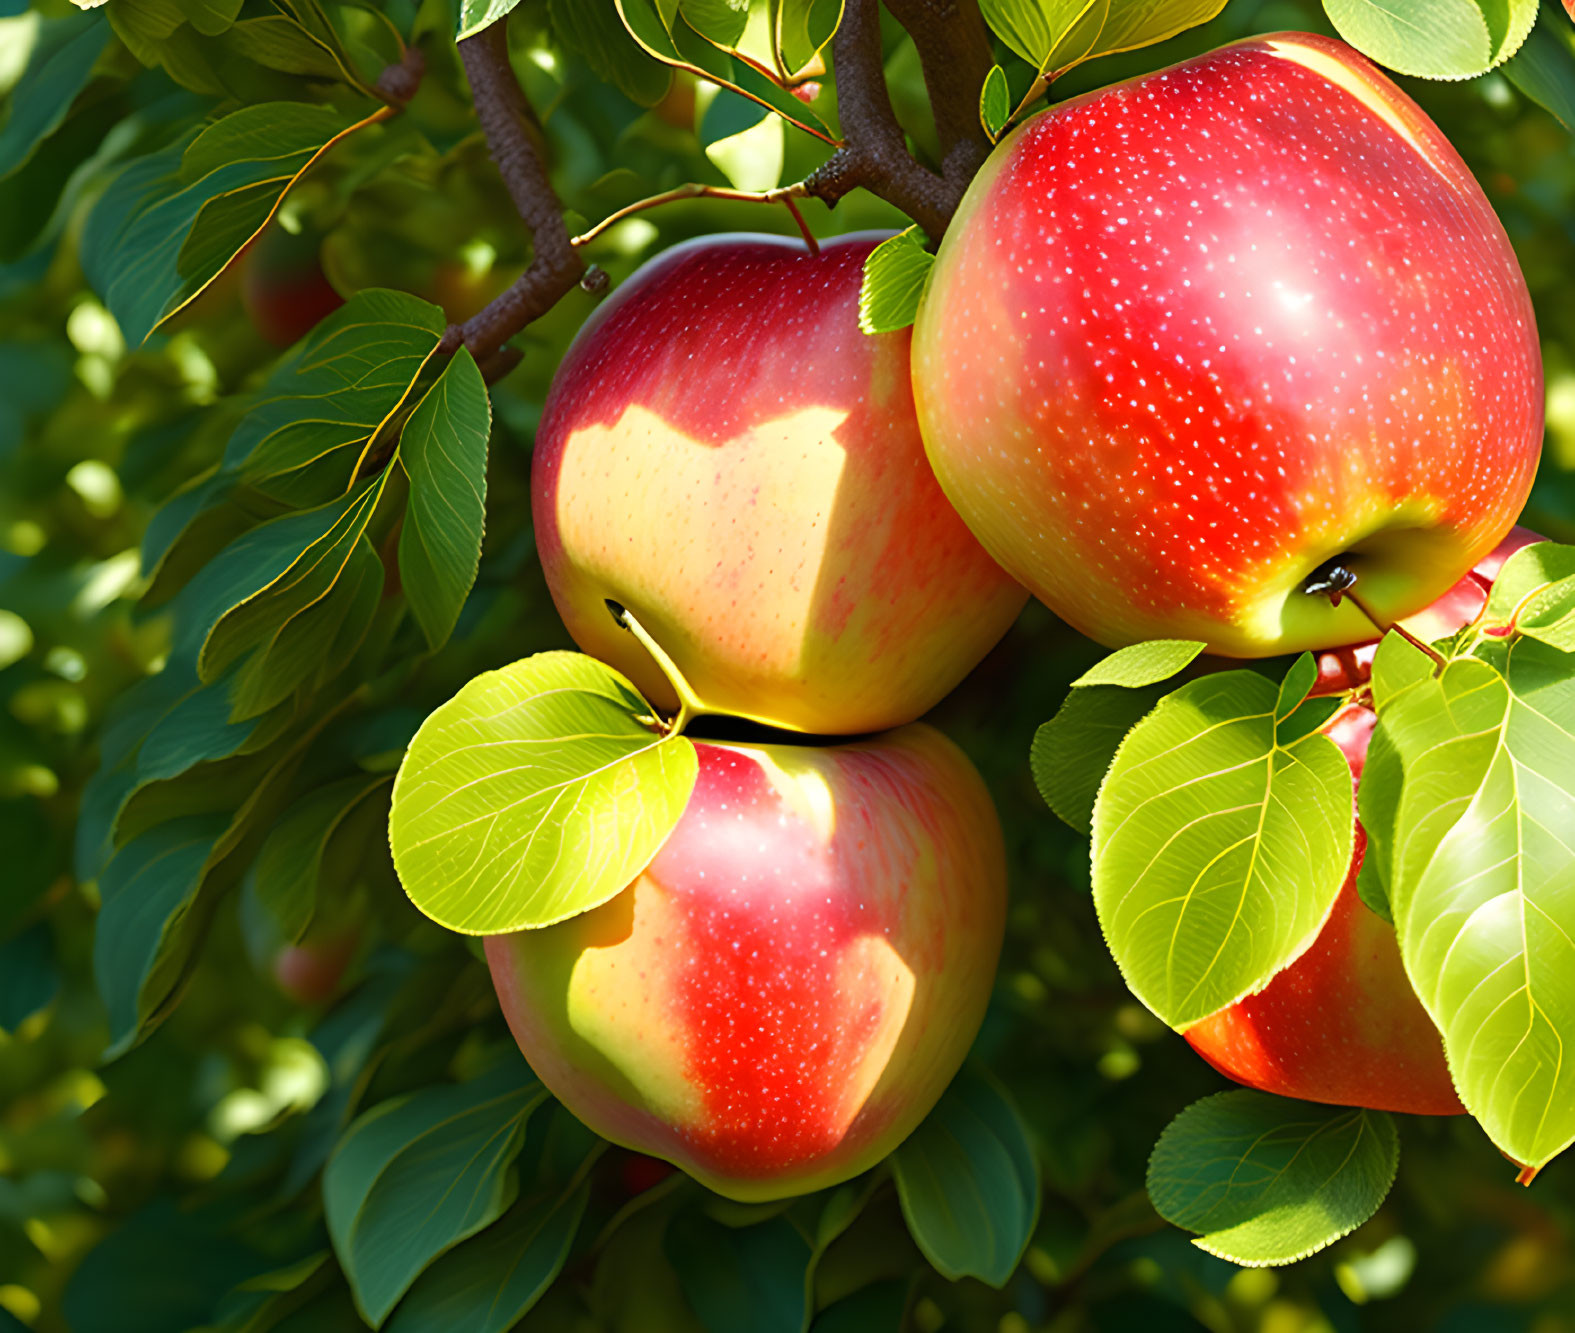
138, 1193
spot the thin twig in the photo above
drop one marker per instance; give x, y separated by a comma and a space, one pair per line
692, 191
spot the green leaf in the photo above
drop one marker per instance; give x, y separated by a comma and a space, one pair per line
894, 276
154, 251
474, 15
443, 450
677, 44
210, 17
310, 425
742, 1278
277, 41
488, 1283
968, 1182
1482, 883
593, 28
1435, 39
279, 590
995, 102
720, 22
1544, 70
802, 29
1054, 35
1266, 1180
1072, 751
536, 793
1528, 571
61, 64
1221, 839
1142, 663
29, 976
147, 924
417, 1174
289, 871
744, 142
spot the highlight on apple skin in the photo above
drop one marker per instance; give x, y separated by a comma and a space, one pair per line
727, 455
781, 997
1341, 1024
1192, 337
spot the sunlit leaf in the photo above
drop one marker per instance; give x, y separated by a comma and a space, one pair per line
895, 273
474, 15
995, 102
1221, 839
537, 792
802, 29
1435, 39
1482, 883
1267, 1180
969, 1182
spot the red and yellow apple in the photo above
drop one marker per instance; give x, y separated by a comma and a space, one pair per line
1192, 337
725, 454
283, 286
1341, 1024
787, 989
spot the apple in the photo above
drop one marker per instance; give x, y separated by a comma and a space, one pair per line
1193, 339
1351, 667
726, 455
787, 989
1341, 1024
283, 286
310, 971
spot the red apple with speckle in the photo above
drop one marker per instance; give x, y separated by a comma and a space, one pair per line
1191, 338
1341, 1024
725, 454
283, 286
785, 992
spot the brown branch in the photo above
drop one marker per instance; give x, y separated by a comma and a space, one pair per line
955, 55
875, 154
510, 128
397, 84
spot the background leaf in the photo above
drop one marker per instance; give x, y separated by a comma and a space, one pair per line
418, 1174
1267, 1180
969, 1182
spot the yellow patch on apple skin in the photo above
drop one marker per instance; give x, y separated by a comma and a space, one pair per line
1361, 85
801, 782
619, 1007
870, 966
750, 493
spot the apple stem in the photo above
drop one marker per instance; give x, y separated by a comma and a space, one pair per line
1439, 661
798, 217
689, 705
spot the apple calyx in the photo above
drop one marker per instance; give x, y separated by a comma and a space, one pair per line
689, 705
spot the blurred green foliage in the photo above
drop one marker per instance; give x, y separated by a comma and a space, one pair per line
140, 1193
